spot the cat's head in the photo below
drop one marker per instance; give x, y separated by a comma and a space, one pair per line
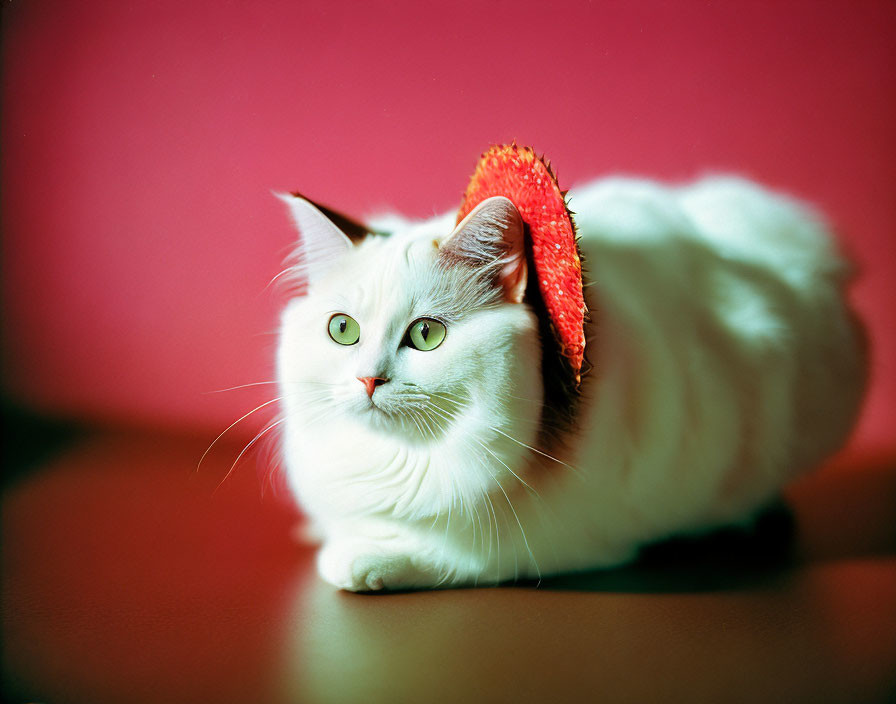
420, 333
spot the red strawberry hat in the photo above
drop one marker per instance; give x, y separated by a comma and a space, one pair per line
518, 174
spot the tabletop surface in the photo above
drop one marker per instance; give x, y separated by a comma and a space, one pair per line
128, 575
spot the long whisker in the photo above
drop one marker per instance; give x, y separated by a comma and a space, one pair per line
285, 272
439, 415
241, 386
414, 420
524, 398
241, 418
493, 514
518, 477
447, 530
246, 449
534, 449
523, 534
426, 422
529, 447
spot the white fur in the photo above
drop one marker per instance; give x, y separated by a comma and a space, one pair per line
725, 363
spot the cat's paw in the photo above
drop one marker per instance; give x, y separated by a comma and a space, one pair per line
359, 567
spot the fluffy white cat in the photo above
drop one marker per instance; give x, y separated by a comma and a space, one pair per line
422, 443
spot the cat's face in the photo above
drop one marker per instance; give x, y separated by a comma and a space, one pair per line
409, 332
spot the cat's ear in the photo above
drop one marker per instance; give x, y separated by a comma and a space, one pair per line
492, 236
322, 242
351, 228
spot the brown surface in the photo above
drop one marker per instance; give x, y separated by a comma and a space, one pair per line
126, 580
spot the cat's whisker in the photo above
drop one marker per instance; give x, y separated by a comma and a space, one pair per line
541, 423
518, 477
473, 551
441, 414
497, 534
241, 386
286, 272
537, 402
433, 422
513, 510
229, 427
251, 444
428, 432
454, 399
268, 456
447, 528
417, 424
536, 450
426, 420
516, 570
452, 411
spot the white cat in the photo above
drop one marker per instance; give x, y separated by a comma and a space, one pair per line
419, 436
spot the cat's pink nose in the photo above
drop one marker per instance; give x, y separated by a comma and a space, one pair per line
371, 382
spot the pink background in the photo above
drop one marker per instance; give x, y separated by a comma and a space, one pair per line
141, 142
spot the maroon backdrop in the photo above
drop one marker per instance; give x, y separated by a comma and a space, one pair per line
141, 142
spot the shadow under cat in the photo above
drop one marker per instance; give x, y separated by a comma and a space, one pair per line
725, 559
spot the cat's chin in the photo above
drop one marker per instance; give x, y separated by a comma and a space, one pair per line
379, 416
384, 423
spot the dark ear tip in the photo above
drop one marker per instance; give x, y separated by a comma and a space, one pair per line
351, 228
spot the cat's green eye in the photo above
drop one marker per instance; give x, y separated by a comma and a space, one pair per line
344, 329
426, 334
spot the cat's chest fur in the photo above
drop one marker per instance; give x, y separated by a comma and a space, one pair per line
371, 471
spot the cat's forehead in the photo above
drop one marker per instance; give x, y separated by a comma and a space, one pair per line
395, 278
398, 258
411, 247
383, 273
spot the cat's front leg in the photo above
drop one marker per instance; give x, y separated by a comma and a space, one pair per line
361, 562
